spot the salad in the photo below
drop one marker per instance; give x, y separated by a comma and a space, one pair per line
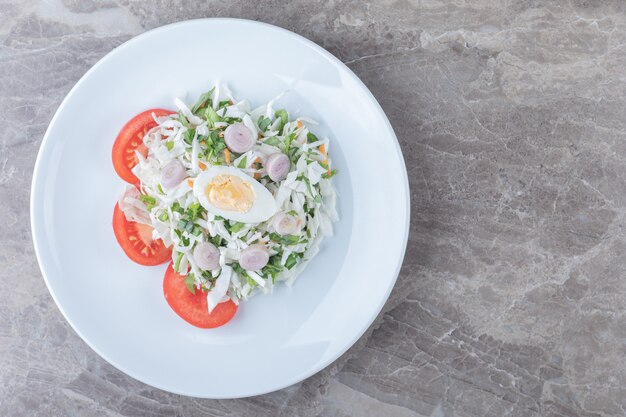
238, 199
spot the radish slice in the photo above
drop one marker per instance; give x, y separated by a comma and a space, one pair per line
277, 166
285, 224
239, 138
207, 256
254, 257
172, 174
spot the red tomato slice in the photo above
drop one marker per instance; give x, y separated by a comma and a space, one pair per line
136, 241
193, 308
130, 139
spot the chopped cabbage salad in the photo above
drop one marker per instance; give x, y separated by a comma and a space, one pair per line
243, 196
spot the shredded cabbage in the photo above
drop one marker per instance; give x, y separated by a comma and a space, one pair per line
194, 137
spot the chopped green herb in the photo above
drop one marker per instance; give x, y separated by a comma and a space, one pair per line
289, 139
169, 145
179, 257
264, 123
291, 261
190, 282
182, 119
203, 100
285, 239
148, 200
189, 135
292, 213
224, 103
211, 116
272, 141
326, 175
164, 216
160, 189
310, 138
234, 227
284, 118
216, 240
242, 163
177, 208
194, 211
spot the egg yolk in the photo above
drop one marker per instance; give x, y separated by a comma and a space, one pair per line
229, 192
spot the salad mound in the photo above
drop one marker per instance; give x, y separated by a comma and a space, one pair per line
242, 196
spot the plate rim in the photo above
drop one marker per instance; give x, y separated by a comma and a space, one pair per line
333, 59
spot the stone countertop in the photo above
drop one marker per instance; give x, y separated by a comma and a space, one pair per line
512, 119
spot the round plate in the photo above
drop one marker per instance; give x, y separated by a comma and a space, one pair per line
118, 307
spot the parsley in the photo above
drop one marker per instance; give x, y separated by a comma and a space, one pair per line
188, 136
284, 118
182, 119
285, 239
169, 145
264, 123
223, 103
211, 116
289, 139
177, 208
216, 240
160, 189
326, 175
190, 283
235, 227
194, 211
164, 216
203, 100
272, 141
291, 261
310, 137
242, 163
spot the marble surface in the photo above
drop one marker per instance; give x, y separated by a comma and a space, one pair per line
512, 119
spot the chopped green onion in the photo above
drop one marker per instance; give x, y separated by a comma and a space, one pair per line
164, 216
148, 200
179, 257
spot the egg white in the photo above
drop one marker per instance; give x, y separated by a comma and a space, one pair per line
263, 207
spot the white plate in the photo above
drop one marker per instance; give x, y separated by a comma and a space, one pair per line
117, 306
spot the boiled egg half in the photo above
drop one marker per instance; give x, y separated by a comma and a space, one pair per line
234, 195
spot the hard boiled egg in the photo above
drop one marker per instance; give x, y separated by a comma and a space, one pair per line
228, 192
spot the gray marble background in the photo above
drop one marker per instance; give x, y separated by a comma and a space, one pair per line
512, 118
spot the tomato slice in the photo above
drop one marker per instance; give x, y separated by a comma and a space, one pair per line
136, 241
130, 139
193, 307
